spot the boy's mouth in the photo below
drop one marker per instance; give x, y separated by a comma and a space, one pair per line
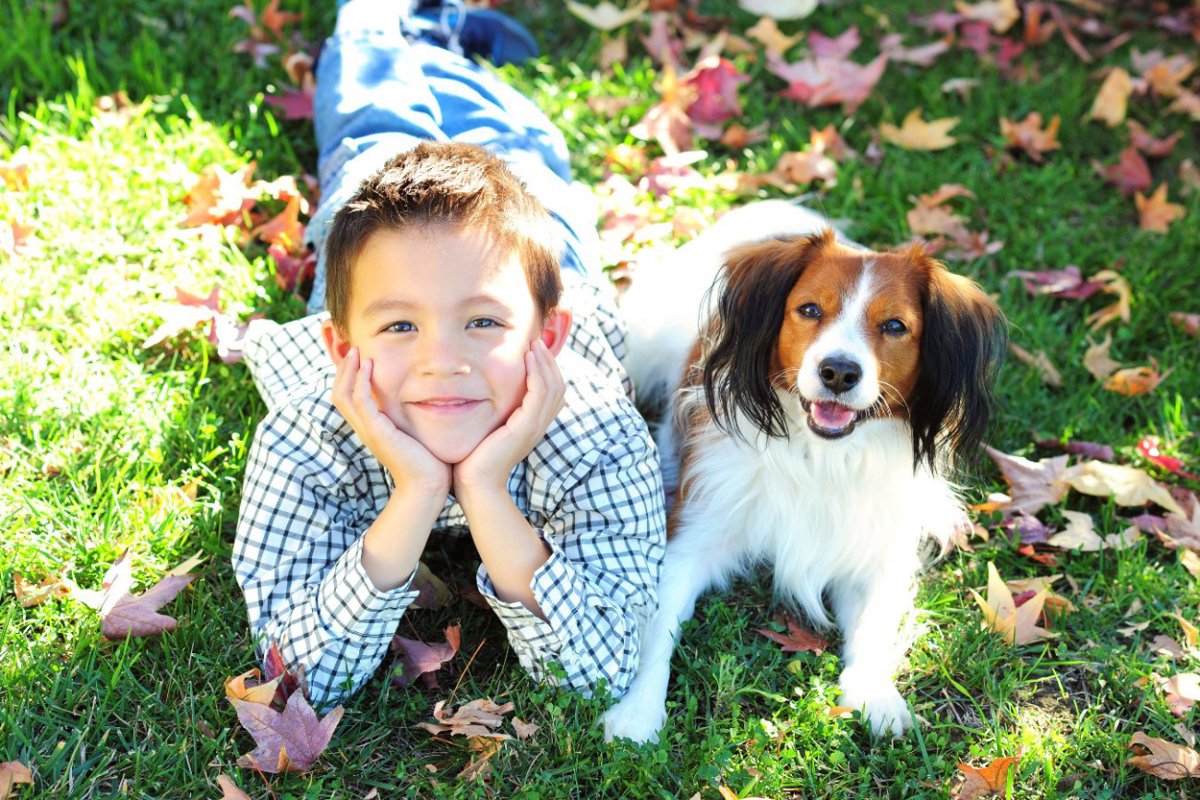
446, 405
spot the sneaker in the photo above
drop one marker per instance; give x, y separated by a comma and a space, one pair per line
474, 32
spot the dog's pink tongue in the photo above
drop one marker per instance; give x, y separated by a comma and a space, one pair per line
832, 415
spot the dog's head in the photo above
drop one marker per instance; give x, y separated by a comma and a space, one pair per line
852, 336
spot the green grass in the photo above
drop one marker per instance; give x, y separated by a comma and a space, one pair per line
93, 429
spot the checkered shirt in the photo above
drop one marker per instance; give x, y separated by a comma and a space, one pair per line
591, 489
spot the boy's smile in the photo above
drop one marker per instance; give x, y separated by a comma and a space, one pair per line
445, 316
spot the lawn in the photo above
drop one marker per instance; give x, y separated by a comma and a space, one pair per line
107, 446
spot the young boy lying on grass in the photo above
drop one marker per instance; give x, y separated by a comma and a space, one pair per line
461, 380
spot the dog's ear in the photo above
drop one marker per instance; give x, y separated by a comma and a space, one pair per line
962, 345
739, 355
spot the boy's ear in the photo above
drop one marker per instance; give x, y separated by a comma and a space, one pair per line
336, 344
555, 329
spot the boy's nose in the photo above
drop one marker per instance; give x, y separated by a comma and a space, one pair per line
441, 355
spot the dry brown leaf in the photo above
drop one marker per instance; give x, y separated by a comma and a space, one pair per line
1136, 380
1039, 361
1128, 486
34, 594
1017, 624
614, 50
1032, 485
1111, 103
1155, 148
1163, 759
1191, 562
482, 749
12, 773
1029, 135
984, 781
1187, 102
1114, 283
917, 134
1155, 213
1189, 176
1191, 634
1096, 360
477, 718
524, 730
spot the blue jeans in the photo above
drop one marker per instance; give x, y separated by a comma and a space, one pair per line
378, 95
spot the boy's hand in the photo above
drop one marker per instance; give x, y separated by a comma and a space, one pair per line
489, 464
411, 465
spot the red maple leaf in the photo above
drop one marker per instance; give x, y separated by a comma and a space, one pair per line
797, 639
288, 741
1130, 174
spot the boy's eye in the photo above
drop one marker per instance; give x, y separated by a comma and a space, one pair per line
401, 327
483, 322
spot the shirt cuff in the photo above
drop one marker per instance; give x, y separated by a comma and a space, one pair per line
552, 587
351, 605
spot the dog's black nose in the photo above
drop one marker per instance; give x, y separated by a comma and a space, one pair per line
839, 374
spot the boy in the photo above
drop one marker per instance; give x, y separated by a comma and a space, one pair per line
456, 390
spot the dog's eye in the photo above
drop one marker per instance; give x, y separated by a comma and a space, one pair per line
809, 311
894, 327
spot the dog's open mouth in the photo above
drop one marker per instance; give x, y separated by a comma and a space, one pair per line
830, 420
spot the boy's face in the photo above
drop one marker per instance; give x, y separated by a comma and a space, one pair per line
446, 316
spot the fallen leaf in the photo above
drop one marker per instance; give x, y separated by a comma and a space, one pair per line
667, 122
229, 789
1039, 361
999, 14
780, 9
275, 20
1156, 213
1182, 691
837, 47
1032, 586
1080, 534
1186, 103
1155, 148
1128, 486
1131, 173
288, 741
137, 615
258, 690
1017, 624
917, 134
797, 639
924, 55
1110, 104
524, 730
421, 659
14, 174
1188, 323
714, 83
1029, 136
605, 16
284, 229
1191, 634
983, 781
1067, 282
1167, 646
1097, 361
1114, 283
219, 197
12, 773
1101, 452
774, 41
1163, 759
476, 718
34, 594
482, 749
828, 81
931, 215
1161, 73
613, 50
1189, 176
1032, 484
1136, 380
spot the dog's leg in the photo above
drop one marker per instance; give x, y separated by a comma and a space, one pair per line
870, 615
641, 713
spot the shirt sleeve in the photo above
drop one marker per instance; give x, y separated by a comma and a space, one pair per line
598, 589
298, 558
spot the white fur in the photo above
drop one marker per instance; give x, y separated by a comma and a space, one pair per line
840, 519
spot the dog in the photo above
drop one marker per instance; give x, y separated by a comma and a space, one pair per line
817, 398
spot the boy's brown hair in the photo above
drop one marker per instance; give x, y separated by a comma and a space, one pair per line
445, 183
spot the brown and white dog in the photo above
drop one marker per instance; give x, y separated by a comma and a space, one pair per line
818, 403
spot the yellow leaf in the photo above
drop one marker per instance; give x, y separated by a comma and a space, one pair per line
1155, 213
1112, 101
1128, 486
605, 16
1018, 625
917, 134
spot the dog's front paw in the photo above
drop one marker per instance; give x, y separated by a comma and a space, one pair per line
881, 704
632, 720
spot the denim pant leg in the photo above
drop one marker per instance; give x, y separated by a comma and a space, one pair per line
378, 95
